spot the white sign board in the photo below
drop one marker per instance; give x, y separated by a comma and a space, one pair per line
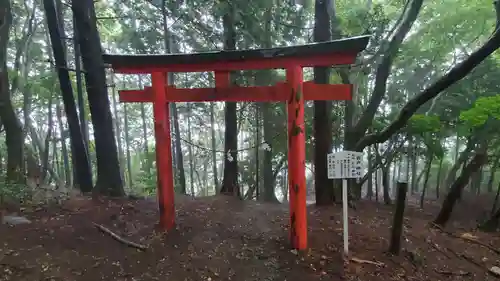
345, 165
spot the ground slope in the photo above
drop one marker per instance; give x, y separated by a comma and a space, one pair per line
221, 238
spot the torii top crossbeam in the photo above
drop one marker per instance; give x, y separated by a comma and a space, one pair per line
329, 53
294, 91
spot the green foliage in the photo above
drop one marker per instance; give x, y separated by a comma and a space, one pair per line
10, 192
484, 109
420, 124
145, 183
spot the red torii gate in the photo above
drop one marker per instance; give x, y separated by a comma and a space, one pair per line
294, 91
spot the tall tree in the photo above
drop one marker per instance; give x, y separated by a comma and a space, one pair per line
109, 180
79, 87
269, 179
230, 180
323, 10
169, 42
8, 118
78, 149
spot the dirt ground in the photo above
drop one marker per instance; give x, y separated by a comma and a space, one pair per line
221, 238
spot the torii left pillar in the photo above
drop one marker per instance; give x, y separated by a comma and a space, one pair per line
164, 171
296, 158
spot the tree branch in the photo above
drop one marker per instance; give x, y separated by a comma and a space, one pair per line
454, 75
384, 68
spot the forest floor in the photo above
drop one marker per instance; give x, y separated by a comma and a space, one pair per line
222, 238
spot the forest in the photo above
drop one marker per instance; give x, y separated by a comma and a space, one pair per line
78, 167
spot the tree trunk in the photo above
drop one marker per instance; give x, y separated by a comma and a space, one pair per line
230, 181
109, 181
25, 45
214, 147
325, 194
8, 117
190, 150
395, 174
257, 147
464, 155
456, 188
426, 180
147, 162
127, 146
493, 169
79, 88
170, 47
412, 160
118, 130
476, 180
495, 202
493, 222
64, 149
369, 188
50, 125
386, 183
81, 164
440, 169
269, 179
55, 156
181, 175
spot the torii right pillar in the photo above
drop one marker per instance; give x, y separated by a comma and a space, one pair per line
296, 159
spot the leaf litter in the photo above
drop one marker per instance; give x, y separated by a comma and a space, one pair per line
222, 238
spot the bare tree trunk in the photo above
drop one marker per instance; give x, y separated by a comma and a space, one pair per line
325, 195
50, 125
170, 46
13, 129
476, 180
214, 148
109, 181
64, 148
127, 146
456, 188
495, 202
181, 175
369, 188
146, 163
426, 180
230, 184
464, 155
190, 150
79, 88
257, 147
55, 156
493, 169
411, 168
440, 170
81, 164
118, 131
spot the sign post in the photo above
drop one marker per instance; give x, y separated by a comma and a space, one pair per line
345, 165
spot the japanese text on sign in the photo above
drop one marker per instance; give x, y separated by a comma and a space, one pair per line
345, 165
